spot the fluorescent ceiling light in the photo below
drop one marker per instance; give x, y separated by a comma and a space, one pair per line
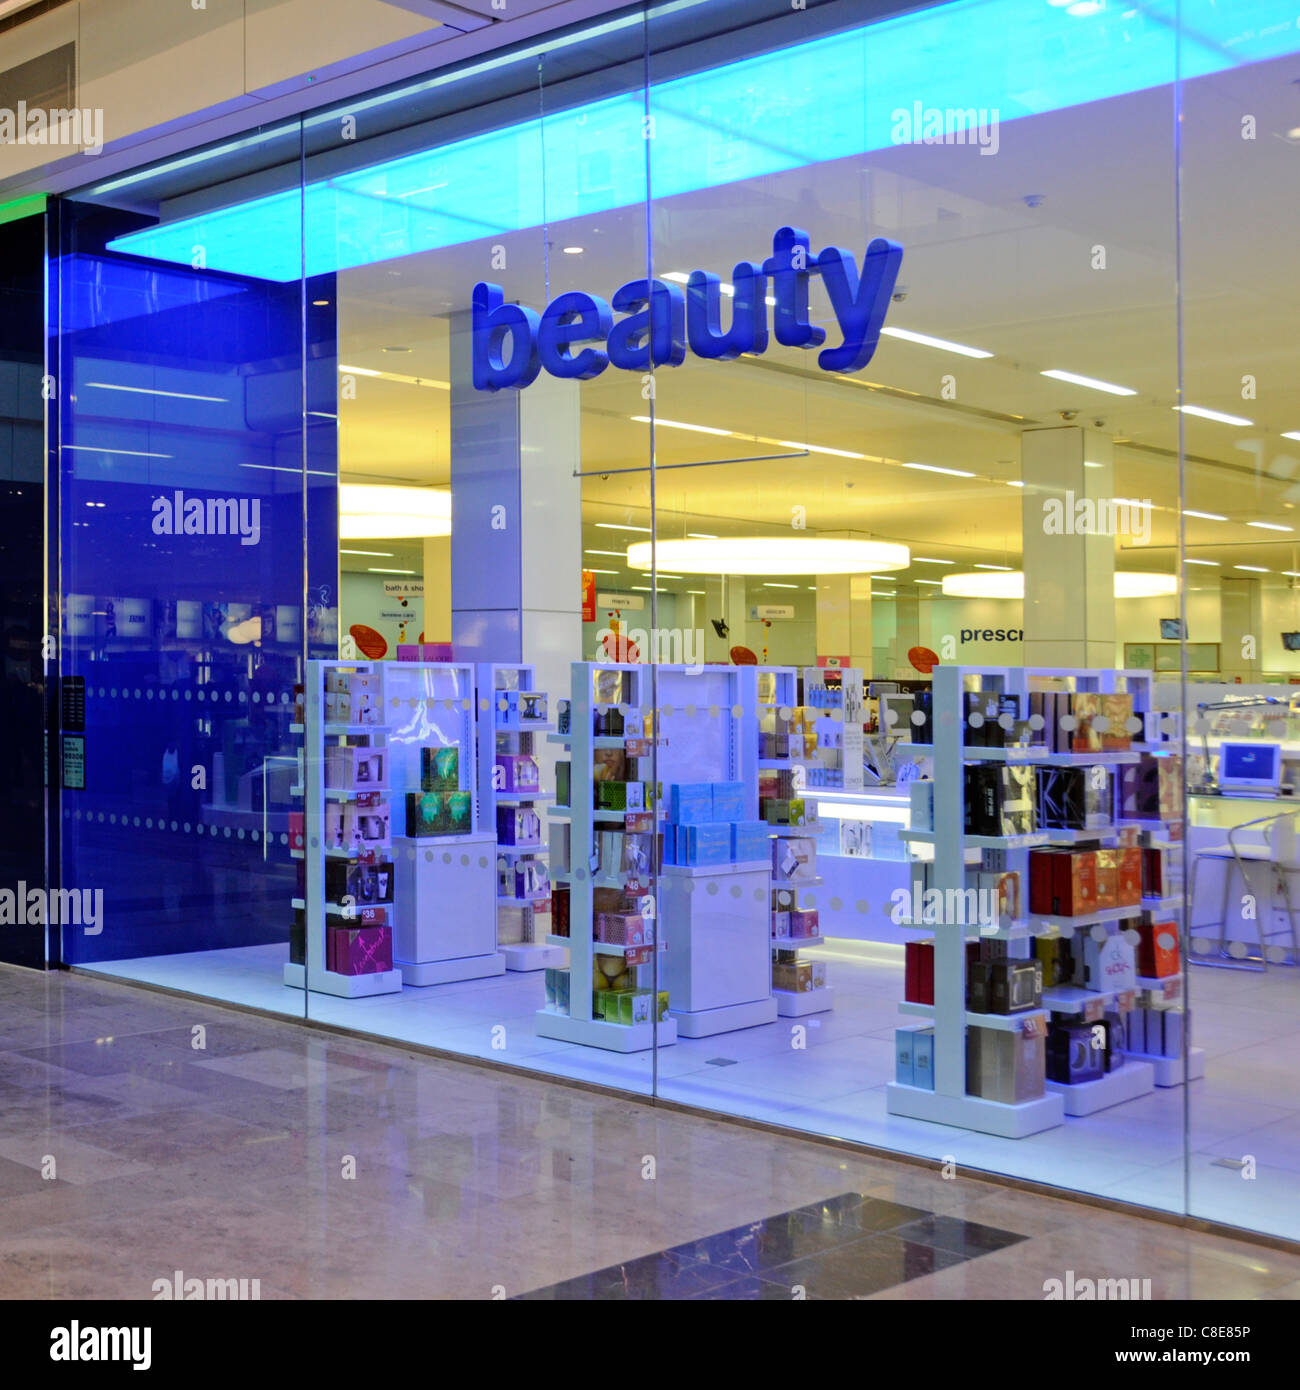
681, 278
1090, 382
1128, 584
701, 536
938, 583
819, 449
1088, 464
400, 377
934, 468
129, 453
780, 586
375, 569
602, 571
1291, 434
574, 250
942, 344
374, 554
1269, 526
1006, 568
1014, 482
1205, 516
1200, 562
700, 592
1201, 413
771, 555
928, 560
617, 554
1253, 569
375, 511
147, 391
618, 526
1292, 574
678, 425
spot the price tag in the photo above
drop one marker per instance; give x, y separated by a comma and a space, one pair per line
637, 747
1093, 1010
1173, 988
1127, 1001
640, 823
1033, 1026
639, 956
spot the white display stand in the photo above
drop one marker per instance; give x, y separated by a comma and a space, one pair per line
949, 1102
316, 735
445, 917
841, 721
717, 969
445, 910
497, 734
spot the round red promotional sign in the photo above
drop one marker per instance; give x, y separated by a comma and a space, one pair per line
923, 659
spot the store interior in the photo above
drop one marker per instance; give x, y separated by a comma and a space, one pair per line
1057, 256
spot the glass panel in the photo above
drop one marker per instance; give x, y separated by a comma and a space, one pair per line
1240, 652
180, 447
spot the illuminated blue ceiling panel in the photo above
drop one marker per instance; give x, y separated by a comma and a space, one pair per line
827, 99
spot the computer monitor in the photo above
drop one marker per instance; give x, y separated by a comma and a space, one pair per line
902, 706
1291, 641
1249, 766
1172, 630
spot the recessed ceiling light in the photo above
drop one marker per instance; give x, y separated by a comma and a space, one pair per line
700, 592
934, 468
1204, 516
942, 344
376, 511
1269, 526
1200, 562
677, 425
1090, 382
1254, 569
617, 526
574, 250
1006, 568
1201, 413
1291, 434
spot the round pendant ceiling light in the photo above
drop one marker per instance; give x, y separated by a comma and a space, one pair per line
1011, 584
769, 555
376, 511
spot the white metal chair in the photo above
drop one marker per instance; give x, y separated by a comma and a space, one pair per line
1280, 851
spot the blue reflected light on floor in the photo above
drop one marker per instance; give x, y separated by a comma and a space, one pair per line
826, 99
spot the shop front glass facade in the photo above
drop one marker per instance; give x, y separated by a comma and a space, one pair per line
714, 555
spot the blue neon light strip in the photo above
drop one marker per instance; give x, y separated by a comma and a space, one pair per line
827, 99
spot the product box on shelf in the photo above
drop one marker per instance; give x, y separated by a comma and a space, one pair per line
364, 883
1129, 872
1075, 1053
436, 653
1086, 707
516, 772
1157, 951
297, 829
1107, 876
440, 768
359, 950
1063, 883
298, 938
799, 978
559, 834
560, 909
921, 805
803, 922
783, 811
794, 858
918, 985
518, 825
728, 801
923, 1057
704, 843
363, 824
1114, 1048
1117, 708
438, 813
531, 880
563, 780
999, 890
979, 975
750, 840
1109, 966
690, 803
557, 989
1008, 1067
1056, 955
1074, 798
1000, 799
349, 768
1014, 986
781, 921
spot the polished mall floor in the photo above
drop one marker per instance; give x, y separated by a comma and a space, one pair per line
142, 1134
830, 1078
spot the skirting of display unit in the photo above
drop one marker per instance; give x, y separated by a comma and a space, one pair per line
594, 1032
346, 986
796, 1003
1133, 1079
706, 1022
531, 956
973, 1112
1169, 1070
443, 972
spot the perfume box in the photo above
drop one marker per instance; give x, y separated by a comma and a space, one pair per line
518, 825
363, 883
1055, 954
690, 803
799, 978
1014, 986
560, 909
1129, 870
921, 805
781, 922
918, 972
1075, 1054
437, 813
904, 1039
1063, 883
1118, 710
1109, 966
439, 769
1107, 878
563, 778
794, 858
1074, 798
803, 922
728, 801
532, 707
353, 768
1157, 951
923, 1057
978, 992
750, 840
1115, 1045
1000, 800
1005, 1066
704, 843
360, 950
1086, 708
531, 879
999, 899
518, 772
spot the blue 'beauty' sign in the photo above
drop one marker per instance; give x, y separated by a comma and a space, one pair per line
662, 319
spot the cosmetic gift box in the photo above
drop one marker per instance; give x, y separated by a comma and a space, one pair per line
1157, 952
359, 950
363, 883
437, 813
1005, 1066
783, 811
362, 824
1056, 955
439, 768
1063, 883
1109, 966
794, 858
560, 903
918, 980
690, 803
516, 772
921, 805
799, 977
351, 768
803, 922
1075, 1053
704, 843
531, 880
728, 801
1074, 798
563, 778
750, 841
1000, 799
1000, 897
518, 825
990, 719
914, 1056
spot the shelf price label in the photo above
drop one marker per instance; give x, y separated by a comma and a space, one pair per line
640, 823
1034, 1026
1093, 1010
639, 956
1127, 1001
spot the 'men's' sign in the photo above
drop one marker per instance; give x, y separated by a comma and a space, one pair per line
512, 343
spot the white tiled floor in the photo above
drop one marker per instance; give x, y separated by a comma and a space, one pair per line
830, 1079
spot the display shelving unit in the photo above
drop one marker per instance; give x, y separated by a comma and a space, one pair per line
445, 914
517, 735
316, 735
840, 740
949, 1102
